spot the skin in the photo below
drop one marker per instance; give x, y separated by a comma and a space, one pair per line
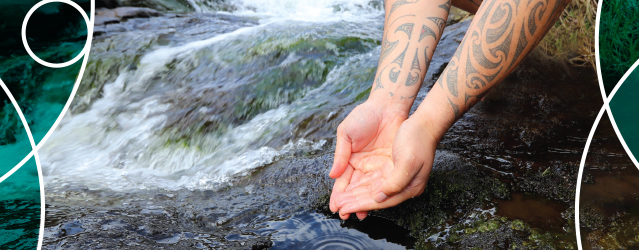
383, 157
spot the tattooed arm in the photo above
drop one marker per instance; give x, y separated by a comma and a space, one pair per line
365, 138
410, 38
502, 33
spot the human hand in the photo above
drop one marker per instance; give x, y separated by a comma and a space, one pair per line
400, 178
364, 143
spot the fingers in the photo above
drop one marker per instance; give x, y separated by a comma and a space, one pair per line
403, 171
364, 180
344, 216
338, 188
342, 153
361, 215
365, 201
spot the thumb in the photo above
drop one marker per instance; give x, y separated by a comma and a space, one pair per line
342, 153
403, 172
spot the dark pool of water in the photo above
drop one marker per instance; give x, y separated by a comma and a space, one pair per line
318, 231
536, 210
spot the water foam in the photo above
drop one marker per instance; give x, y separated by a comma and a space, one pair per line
306, 10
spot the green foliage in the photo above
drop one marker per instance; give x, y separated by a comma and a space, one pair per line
618, 39
571, 38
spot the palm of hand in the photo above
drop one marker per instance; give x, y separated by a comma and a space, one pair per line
371, 131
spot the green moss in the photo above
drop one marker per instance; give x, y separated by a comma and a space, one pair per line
519, 225
488, 226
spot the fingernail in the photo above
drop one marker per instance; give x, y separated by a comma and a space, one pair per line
380, 197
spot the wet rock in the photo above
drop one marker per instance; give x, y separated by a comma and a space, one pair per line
485, 158
622, 234
108, 16
556, 182
160, 5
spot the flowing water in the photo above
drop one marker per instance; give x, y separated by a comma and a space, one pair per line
215, 128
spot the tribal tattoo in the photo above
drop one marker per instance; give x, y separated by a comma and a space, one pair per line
415, 64
440, 22
387, 48
398, 4
410, 97
406, 28
395, 30
412, 80
426, 32
393, 75
378, 81
446, 6
400, 59
501, 35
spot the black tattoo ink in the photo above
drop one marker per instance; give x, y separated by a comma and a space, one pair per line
427, 58
426, 32
440, 22
504, 46
451, 78
378, 82
412, 80
479, 56
492, 35
387, 48
398, 4
393, 75
446, 6
521, 45
391, 94
482, 20
410, 97
455, 108
400, 59
406, 28
532, 23
391, 25
415, 64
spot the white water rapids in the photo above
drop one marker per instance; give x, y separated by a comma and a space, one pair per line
117, 143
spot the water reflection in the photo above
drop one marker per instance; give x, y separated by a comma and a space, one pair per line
317, 231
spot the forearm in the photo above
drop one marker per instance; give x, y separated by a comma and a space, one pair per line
502, 33
411, 33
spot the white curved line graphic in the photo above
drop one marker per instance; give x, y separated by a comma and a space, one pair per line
85, 53
604, 108
23, 32
33, 152
597, 60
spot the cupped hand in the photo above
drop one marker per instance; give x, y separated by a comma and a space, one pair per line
364, 144
404, 176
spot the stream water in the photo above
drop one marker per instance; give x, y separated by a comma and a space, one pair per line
214, 129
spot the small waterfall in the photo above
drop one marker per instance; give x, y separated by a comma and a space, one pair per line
199, 114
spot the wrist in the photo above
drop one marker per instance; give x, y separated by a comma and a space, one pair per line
394, 103
434, 116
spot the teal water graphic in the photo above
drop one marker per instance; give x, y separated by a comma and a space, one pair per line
56, 33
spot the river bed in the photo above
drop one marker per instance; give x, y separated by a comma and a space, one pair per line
215, 129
